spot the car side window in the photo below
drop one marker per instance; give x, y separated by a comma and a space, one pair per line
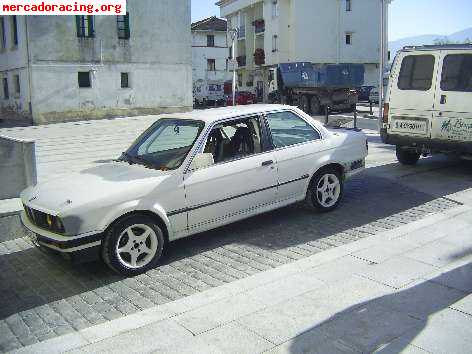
416, 72
234, 139
457, 73
289, 129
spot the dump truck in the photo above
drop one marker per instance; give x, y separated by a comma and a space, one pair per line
315, 88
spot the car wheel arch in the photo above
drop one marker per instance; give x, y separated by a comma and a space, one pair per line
155, 217
331, 165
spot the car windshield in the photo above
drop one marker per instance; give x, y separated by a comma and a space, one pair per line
165, 144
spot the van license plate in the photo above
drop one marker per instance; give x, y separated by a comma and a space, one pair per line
410, 126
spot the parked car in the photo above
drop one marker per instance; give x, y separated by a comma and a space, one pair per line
188, 173
374, 95
428, 106
242, 98
363, 93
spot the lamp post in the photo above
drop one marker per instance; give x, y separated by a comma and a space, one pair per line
233, 33
381, 61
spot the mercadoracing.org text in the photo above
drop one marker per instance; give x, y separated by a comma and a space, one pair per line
62, 7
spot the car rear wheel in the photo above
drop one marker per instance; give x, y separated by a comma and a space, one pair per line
133, 245
407, 156
325, 191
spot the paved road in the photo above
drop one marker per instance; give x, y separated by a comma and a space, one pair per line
44, 296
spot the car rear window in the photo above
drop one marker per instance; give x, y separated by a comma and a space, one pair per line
457, 73
416, 73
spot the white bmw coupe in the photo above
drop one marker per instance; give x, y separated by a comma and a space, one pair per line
189, 173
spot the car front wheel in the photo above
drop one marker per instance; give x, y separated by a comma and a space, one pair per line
325, 190
133, 245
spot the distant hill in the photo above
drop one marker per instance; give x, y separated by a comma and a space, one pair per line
461, 36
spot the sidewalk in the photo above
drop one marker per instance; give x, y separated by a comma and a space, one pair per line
404, 290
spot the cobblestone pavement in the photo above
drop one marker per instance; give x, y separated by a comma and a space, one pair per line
44, 296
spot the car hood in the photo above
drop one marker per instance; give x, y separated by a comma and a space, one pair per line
110, 181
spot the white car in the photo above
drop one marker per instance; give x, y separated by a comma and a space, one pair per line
189, 173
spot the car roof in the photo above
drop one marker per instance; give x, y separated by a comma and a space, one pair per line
214, 114
437, 47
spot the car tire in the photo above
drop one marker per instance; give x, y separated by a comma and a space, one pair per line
304, 103
142, 243
407, 156
315, 105
325, 191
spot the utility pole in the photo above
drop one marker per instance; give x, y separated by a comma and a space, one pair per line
382, 60
233, 33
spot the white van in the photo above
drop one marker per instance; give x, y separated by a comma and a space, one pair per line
428, 105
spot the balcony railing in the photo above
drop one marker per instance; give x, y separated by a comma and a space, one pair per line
241, 32
259, 26
241, 60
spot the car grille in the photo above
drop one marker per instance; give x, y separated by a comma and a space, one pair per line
40, 219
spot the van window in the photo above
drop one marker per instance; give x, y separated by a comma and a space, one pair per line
416, 73
457, 73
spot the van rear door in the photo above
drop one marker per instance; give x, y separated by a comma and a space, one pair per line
411, 94
453, 103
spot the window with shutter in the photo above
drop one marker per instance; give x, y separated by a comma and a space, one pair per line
122, 23
85, 28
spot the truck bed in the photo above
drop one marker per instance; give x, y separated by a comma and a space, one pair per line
331, 76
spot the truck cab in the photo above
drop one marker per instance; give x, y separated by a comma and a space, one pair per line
428, 105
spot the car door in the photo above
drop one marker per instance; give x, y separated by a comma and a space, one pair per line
298, 148
452, 105
237, 185
412, 93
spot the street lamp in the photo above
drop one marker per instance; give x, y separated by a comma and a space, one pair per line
234, 34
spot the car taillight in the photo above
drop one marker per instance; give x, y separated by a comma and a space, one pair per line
385, 113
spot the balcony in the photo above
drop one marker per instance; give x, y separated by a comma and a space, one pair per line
259, 56
259, 26
241, 32
241, 60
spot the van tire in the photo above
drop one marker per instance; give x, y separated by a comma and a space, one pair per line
315, 105
304, 103
407, 156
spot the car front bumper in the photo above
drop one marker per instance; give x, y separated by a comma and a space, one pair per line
61, 243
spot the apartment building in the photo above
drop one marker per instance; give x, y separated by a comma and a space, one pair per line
63, 68
318, 31
210, 51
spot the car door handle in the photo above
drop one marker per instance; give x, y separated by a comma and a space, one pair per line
443, 99
267, 163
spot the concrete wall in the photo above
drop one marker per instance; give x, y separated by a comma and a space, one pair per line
17, 166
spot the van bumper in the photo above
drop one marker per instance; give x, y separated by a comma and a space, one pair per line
431, 144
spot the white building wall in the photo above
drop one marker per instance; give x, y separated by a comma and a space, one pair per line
157, 57
14, 61
201, 53
314, 31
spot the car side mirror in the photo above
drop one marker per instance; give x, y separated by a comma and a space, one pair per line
202, 161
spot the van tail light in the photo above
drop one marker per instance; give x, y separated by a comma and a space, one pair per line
385, 113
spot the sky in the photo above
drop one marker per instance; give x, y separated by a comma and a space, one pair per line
407, 17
